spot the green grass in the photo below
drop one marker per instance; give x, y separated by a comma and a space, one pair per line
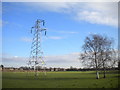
59, 80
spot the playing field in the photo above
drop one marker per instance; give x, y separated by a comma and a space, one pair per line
59, 80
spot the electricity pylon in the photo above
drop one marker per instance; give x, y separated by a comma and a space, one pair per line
36, 54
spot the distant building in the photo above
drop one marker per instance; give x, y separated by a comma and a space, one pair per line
9, 68
1, 69
52, 69
20, 68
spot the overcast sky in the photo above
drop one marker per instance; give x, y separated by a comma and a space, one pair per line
67, 23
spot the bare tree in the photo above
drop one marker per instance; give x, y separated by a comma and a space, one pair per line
119, 65
106, 51
97, 52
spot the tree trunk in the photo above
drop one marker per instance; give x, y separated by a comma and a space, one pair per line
104, 74
97, 75
104, 70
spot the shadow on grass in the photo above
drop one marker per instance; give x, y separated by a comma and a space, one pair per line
43, 78
116, 76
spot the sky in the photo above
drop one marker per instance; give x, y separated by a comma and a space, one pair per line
67, 23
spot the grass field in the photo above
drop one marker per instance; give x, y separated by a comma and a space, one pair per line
59, 80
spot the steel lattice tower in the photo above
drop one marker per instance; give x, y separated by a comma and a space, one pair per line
36, 54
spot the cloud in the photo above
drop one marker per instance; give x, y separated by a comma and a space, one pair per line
100, 13
3, 23
70, 58
67, 32
9, 57
93, 12
0, 23
13, 61
14, 58
65, 60
26, 39
60, 1
55, 37
96, 18
9, 60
